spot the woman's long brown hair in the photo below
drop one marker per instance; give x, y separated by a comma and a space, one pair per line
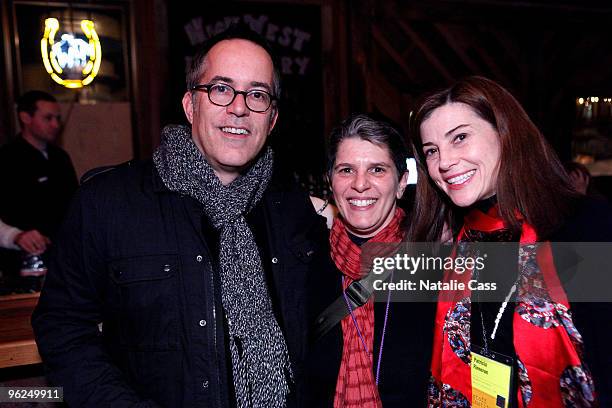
531, 179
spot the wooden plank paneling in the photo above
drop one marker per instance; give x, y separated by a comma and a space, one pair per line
17, 345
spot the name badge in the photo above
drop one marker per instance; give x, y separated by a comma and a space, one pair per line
491, 378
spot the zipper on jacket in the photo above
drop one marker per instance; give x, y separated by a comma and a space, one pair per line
214, 312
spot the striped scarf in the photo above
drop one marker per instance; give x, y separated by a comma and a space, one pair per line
356, 386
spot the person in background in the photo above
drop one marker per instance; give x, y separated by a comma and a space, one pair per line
579, 176
32, 241
204, 267
488, 167
367, 172
37, 178
325, 210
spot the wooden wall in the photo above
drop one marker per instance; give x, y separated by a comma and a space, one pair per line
547, 54
382, 55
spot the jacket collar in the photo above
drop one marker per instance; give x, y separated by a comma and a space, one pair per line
157, 182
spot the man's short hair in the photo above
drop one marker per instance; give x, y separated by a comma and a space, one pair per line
234, 32
27, 101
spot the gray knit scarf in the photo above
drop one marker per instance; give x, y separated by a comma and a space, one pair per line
260, 360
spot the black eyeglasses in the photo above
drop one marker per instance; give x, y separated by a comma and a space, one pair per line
223, 95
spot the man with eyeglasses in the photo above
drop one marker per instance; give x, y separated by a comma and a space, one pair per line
193, 279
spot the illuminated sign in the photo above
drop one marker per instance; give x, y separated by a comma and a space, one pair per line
71, 62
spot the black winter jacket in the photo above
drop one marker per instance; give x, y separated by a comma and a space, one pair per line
139, 259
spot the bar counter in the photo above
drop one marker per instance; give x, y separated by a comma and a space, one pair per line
17, 345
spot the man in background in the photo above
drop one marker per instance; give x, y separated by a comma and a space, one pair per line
37, 178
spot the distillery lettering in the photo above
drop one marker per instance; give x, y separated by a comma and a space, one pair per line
288, 37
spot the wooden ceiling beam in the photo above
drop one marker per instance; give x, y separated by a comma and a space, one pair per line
491, 63
382, 41
453, 42
429, 54
512, 50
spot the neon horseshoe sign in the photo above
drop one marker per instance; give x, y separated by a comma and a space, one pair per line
71, 62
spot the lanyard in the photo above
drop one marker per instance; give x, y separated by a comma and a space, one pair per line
500, 312
382, 340
528, 234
